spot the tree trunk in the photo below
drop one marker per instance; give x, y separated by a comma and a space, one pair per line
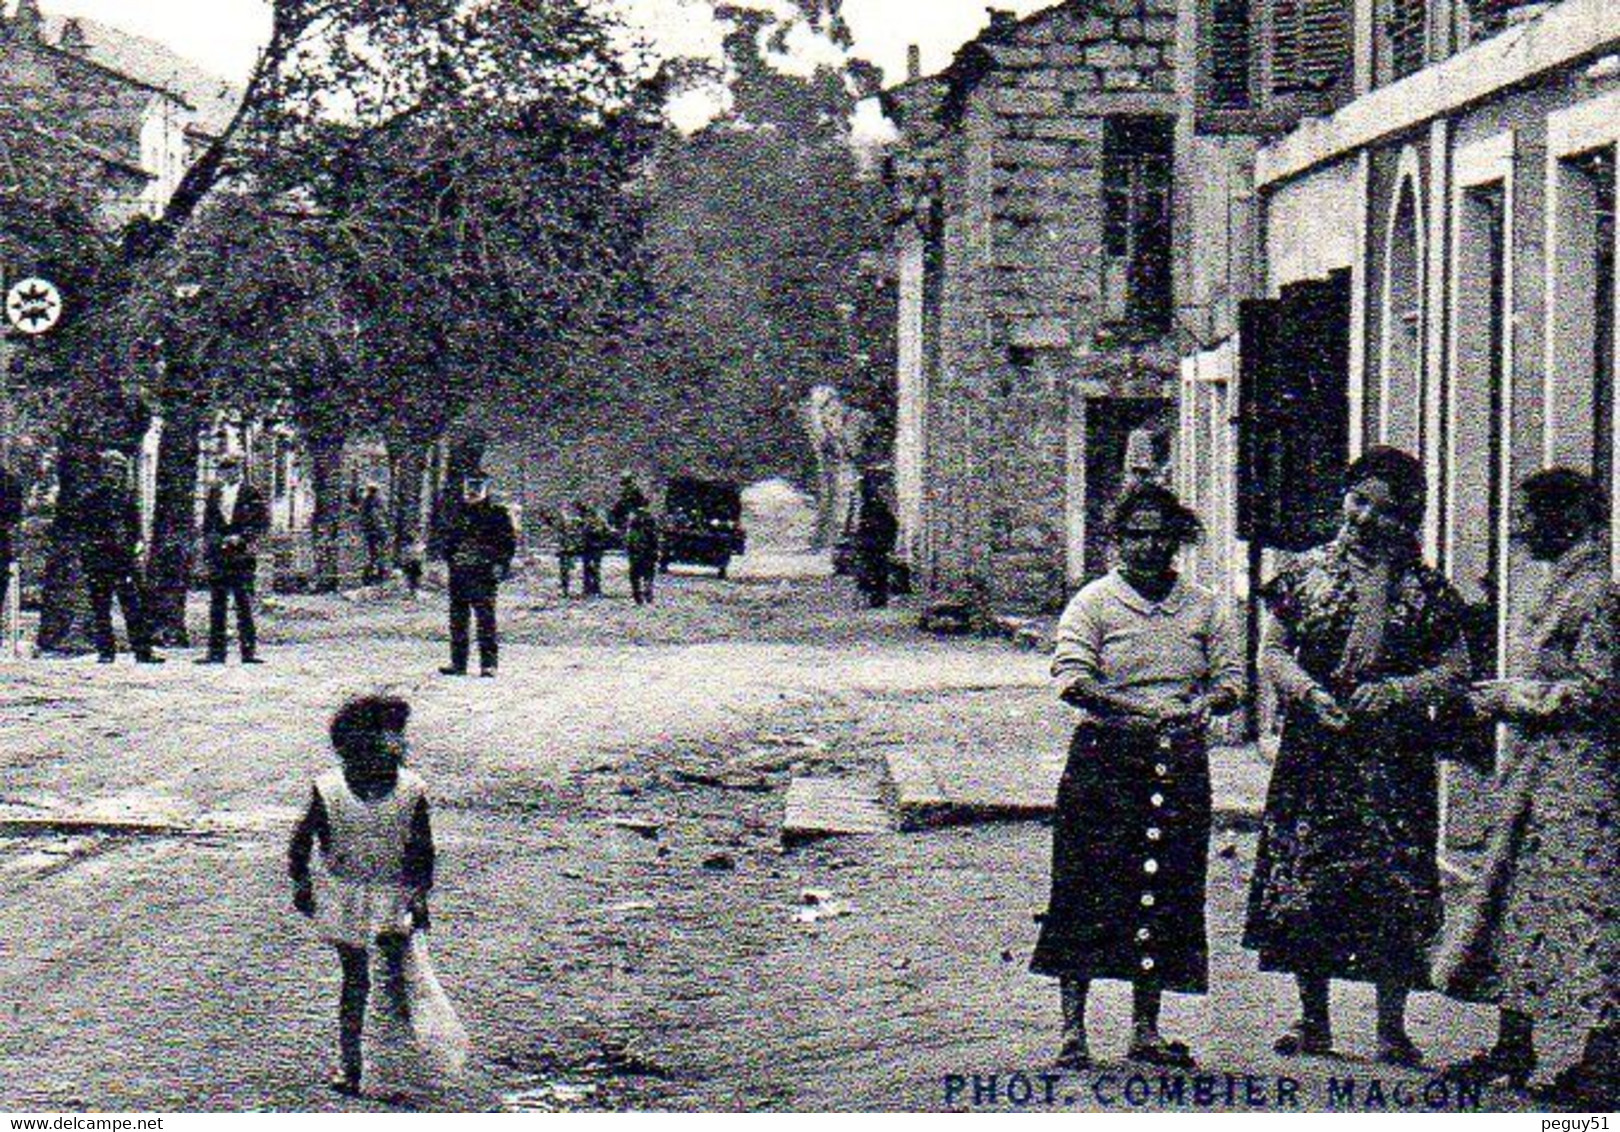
407, 463
64, 617
174, 512
326, 524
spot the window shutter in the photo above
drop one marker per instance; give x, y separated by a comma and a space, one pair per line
1230, 54
1407, 35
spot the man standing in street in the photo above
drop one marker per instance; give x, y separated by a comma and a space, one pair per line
110, 555
235, 518
631, 500
478, 546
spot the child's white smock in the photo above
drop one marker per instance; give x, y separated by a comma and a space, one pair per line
359, 891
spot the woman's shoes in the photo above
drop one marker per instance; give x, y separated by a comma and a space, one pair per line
1305, 1040
1512, 1064
1398, 1050
1172, 1055
1074, 1057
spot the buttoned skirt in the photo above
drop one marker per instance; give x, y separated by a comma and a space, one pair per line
1130, 850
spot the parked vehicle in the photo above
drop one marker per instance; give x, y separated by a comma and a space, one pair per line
702, 524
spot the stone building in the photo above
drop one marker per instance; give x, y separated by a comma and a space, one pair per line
1063, 237
1457, 198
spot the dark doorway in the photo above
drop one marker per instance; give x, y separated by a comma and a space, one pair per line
1110, 421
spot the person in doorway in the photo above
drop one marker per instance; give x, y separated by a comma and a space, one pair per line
1363, 642
1538, 936
111, 554
1148, 658
479, 545
371, 822
235, 518
374, 533
641, 546
875, 534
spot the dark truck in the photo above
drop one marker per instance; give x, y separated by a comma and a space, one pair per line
702, 524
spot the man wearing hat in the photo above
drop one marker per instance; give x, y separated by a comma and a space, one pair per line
235, 518
478, 545
110, 554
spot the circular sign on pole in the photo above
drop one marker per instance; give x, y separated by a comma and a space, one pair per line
33, 305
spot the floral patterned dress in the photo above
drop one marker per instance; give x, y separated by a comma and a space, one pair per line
1539, 935
1346, 882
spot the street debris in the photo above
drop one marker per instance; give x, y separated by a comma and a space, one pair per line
639, 826
720, 863
819, 904
553, 1096
723, 780
630, 906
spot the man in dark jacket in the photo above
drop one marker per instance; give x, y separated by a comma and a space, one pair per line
110, 553
235, 518
875, 536
592, 544
478, 545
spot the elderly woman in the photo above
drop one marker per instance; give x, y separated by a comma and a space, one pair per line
1147, 657
1539, 937
1362, 642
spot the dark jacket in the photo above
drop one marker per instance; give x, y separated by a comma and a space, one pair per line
234, 546
877, 531
112, 527
480, 543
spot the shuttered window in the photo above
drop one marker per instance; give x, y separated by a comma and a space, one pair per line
1406, 33
1137, 278
1310, 44
1230, 54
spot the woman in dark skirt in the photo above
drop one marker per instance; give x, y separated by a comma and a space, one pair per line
1147, 657
1364, 641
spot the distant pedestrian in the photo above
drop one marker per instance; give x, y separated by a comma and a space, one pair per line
374, 533
235, 517
592, 543
479, 546
372, 825
631, 500
1148, 658
411, 562
641, 544
111, 553
875, 533
565, 531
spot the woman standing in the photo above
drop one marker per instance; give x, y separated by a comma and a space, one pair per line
1147, 658
1363, 640
1539, 938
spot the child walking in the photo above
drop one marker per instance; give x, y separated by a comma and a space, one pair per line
370, 821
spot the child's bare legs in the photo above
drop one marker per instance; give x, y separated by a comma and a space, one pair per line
393, 953
352, 1013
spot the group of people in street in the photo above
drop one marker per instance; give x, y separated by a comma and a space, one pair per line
584, 535
1366, 648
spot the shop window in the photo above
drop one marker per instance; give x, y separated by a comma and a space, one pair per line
1138, 287
1584, 313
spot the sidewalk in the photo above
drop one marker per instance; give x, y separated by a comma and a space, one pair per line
950, 785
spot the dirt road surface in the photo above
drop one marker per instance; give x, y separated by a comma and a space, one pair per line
616, 917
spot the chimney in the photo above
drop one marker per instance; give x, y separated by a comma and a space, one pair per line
72, 38
1001, 20
913, 62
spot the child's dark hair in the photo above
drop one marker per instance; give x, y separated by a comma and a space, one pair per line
358, 722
